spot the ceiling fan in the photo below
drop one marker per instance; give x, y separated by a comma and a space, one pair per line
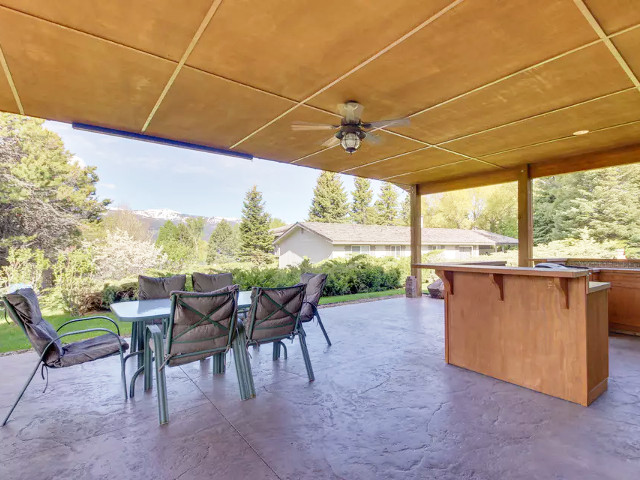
352, 130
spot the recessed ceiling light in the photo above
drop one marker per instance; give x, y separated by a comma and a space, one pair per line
581, 132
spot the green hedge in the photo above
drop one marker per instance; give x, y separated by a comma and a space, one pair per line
358, 274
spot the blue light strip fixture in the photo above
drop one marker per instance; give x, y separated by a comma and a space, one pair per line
159, 140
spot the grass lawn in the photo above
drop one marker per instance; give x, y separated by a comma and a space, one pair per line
12, 338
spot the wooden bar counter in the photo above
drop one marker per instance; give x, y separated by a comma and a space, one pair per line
541, 329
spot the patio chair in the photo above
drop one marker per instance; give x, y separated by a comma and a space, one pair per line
203, 282
201, 325
152, 288
315, 285
24, 309
274, 316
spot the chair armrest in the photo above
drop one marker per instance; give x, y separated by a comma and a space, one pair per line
83, 319
77, 332
153, 332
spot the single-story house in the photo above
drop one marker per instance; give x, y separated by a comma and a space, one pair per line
319, 241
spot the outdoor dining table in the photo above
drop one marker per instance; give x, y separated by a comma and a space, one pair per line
140, 312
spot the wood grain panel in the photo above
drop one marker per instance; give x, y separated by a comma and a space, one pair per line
617, 109
203, 108
161, 27
279, 142
7, 102
615, 15
597, 344
557, 84
624, 299
573, 145
337, 160
530, 338
431, 157
64, 75
628, 44
473, 44
295, 48
467, 167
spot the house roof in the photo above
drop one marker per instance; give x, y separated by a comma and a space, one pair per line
346, 233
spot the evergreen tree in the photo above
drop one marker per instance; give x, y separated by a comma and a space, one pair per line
256, 242
405, 212
223, 243
387, 205
329, 202
170, 240
361, 205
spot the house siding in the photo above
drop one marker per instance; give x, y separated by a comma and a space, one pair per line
300, 244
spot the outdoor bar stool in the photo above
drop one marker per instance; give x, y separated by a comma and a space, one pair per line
274, 316
315, 284
201, 325
24, 309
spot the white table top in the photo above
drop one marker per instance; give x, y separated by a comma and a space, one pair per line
138, 310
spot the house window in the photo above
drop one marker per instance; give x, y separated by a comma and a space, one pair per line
396, 250
360, 249
465, 251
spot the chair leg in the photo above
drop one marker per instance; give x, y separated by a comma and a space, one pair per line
323, 330
305, 354
243, 367
218, 363
124, 375
161, 385
276, 351
21, 393
147, 368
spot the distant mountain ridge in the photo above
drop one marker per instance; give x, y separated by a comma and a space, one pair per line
156, 217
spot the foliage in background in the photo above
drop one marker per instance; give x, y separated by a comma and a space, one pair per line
223, 243
605, 202
44, 194
74, 282
405, 212
182, 243
256, 241
361, 211
24, 265
386, 207
276, 222
329, 203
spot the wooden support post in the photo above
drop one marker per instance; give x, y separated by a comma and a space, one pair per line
416, 236
525, 218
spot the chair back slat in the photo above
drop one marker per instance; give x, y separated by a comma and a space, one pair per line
24, 309
274, 313
315, 284
201, 324
203, 282
151, 288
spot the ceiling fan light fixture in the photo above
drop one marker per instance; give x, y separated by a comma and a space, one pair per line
581, 132
350, 142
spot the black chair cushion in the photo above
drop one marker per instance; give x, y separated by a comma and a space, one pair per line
90, 349
315, 285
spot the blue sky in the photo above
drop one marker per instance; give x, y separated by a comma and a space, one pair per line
143, 175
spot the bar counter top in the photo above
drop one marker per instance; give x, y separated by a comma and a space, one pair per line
525, 271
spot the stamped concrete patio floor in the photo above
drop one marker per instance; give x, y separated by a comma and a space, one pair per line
384, 405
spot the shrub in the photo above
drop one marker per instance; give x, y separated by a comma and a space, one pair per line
25, 265
74, 285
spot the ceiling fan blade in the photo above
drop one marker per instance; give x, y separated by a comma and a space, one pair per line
331, 142
396, 122
373, 139
302, 126
351, 111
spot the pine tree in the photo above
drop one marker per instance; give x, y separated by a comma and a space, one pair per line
405, 212
387, 205
223, 243
361, 205
329, 202
256, 242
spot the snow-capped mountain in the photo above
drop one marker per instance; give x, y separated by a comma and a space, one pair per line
156, 217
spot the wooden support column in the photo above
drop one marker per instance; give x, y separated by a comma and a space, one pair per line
416, 235
525, 218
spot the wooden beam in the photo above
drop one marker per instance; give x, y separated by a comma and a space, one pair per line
557, 166
416, 236
525, 218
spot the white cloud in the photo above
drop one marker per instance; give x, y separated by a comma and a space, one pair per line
78, 161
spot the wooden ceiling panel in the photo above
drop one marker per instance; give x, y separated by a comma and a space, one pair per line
202, 108
279, 142
7, 102
574, 145
628, 44
612, 110
615, 15
294, 48
337, 160
161, 27
473, 44
454, 170
554, 85
67, 76
419, 160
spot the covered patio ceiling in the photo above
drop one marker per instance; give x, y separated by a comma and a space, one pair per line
489, 86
